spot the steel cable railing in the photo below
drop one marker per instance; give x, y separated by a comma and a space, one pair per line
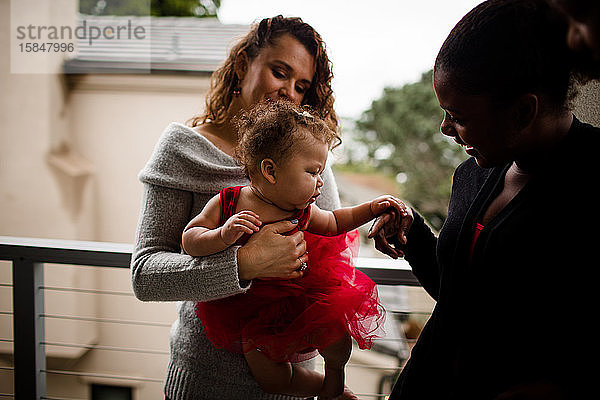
29, 368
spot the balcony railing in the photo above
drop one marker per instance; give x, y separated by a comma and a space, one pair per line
30, 344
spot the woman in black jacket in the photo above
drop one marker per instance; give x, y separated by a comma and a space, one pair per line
514, 268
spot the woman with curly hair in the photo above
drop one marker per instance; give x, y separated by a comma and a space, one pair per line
279, 59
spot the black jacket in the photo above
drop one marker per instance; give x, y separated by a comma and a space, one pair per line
523, 311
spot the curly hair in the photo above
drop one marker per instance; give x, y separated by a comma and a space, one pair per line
261, 35
274, 130
504, 48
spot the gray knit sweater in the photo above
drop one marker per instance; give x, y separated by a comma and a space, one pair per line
183, 173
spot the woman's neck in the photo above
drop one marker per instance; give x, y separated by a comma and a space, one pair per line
224, 135
227, 131
551, 132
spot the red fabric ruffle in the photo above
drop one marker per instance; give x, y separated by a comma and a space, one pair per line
288, 320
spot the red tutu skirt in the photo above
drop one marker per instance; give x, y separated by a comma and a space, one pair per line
289, 320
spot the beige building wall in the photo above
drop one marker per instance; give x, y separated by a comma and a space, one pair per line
115, 122
31, 110
70, 151
71, 147
587, 105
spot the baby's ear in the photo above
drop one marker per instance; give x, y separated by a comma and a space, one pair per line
267, 169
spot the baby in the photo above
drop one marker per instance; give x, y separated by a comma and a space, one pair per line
283, 150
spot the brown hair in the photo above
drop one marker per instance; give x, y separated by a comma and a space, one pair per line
273, 129
224, 80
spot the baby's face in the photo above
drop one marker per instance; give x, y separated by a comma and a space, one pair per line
299, 182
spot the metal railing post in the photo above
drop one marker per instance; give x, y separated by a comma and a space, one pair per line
28, 307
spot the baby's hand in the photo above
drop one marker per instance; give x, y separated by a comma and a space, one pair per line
382, 203
243, 222
393, 222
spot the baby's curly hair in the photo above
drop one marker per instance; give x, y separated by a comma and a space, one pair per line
272, 129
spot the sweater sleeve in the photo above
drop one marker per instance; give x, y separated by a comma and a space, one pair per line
160, 272
330, 197
420, 252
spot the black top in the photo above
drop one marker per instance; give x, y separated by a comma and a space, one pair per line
522, 311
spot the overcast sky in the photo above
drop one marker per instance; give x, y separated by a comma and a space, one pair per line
372, 44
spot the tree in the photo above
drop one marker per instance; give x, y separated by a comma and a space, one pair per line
402, 133
176, 8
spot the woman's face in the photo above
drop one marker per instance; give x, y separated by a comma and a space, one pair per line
283, 71
474, 123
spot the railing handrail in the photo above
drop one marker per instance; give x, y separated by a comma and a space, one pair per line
28, 256
58, 251
118, 255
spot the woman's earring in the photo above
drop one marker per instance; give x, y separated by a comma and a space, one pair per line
237, 91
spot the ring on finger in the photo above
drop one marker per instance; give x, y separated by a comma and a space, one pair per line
303, 265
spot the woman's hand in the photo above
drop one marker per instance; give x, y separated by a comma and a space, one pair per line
392, 226
270, 254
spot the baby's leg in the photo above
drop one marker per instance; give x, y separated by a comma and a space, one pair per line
336, 356
283, 377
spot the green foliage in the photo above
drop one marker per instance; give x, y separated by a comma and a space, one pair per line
176, 8
402, 133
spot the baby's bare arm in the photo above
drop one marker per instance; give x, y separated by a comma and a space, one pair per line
201, 241
345, 219
202, 235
